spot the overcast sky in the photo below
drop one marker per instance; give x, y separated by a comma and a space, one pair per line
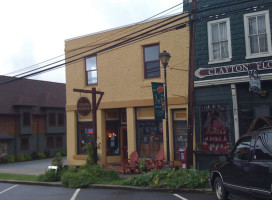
33, 31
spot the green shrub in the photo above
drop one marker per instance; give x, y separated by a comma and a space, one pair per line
62, 151
34, 155
41, 155
58, 161
78, 179
47, 153
86, 175
10, 159
109, 175
170, 178
50, 176
27, 157
3, 159
142, 165
20, 157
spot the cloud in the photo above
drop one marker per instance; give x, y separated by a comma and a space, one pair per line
34, 31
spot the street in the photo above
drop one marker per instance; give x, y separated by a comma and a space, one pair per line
30, 192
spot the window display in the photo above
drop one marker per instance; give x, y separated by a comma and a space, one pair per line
85, 135
180, 135
215, 127
149, 137
112, 136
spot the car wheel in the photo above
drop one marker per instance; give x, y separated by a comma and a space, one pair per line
219, 189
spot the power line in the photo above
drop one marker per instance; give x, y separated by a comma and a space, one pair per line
116, 40
97, 47
29, 67
135, 38
111, 47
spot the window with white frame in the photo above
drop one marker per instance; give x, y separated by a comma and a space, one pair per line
91, 71
257, 34
219, 40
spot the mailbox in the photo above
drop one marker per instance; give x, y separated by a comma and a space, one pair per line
182, 154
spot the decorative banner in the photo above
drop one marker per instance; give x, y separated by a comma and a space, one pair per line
214, 71
254, 81
84, 106
158, 97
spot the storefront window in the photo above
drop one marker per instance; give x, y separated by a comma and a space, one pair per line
85, 135
248, 113
180, 135
149, 137
112, 135
3, 149
215, 126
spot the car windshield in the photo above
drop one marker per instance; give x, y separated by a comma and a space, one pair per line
242, 149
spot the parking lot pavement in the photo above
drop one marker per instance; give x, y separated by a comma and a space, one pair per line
34, 167
34, 192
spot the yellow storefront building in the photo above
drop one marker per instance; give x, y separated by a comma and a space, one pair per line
122, 63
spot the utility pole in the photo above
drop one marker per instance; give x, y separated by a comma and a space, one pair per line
191, 111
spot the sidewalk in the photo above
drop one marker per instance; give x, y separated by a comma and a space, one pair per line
34, 167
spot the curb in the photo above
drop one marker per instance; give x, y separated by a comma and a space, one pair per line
100, 186
54, 184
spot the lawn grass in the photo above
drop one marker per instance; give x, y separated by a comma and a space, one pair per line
18, 177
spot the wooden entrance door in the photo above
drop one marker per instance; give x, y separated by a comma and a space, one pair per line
124, 142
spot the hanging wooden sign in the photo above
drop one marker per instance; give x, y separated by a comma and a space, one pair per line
84, 106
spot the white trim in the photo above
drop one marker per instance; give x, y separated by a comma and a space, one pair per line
268, 31
219, 61
211, 60
259, 55
235, 111
231, 80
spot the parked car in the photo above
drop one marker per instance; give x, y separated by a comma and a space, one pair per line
247, 170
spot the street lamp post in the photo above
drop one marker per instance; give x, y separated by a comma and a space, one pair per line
165, 57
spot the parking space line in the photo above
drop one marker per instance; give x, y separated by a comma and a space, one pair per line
75, 194
182, 198
8, 189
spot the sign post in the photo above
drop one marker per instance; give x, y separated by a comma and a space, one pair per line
85, 107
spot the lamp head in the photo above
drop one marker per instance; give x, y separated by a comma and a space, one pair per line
164, 57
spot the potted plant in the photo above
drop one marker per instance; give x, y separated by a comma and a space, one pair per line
142, 165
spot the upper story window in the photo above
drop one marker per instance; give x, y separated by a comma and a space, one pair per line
26, 119
52, 119
219, 41
60, 119
151, 61
257, 34
91, 71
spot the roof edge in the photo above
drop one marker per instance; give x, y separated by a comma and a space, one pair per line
124, 26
